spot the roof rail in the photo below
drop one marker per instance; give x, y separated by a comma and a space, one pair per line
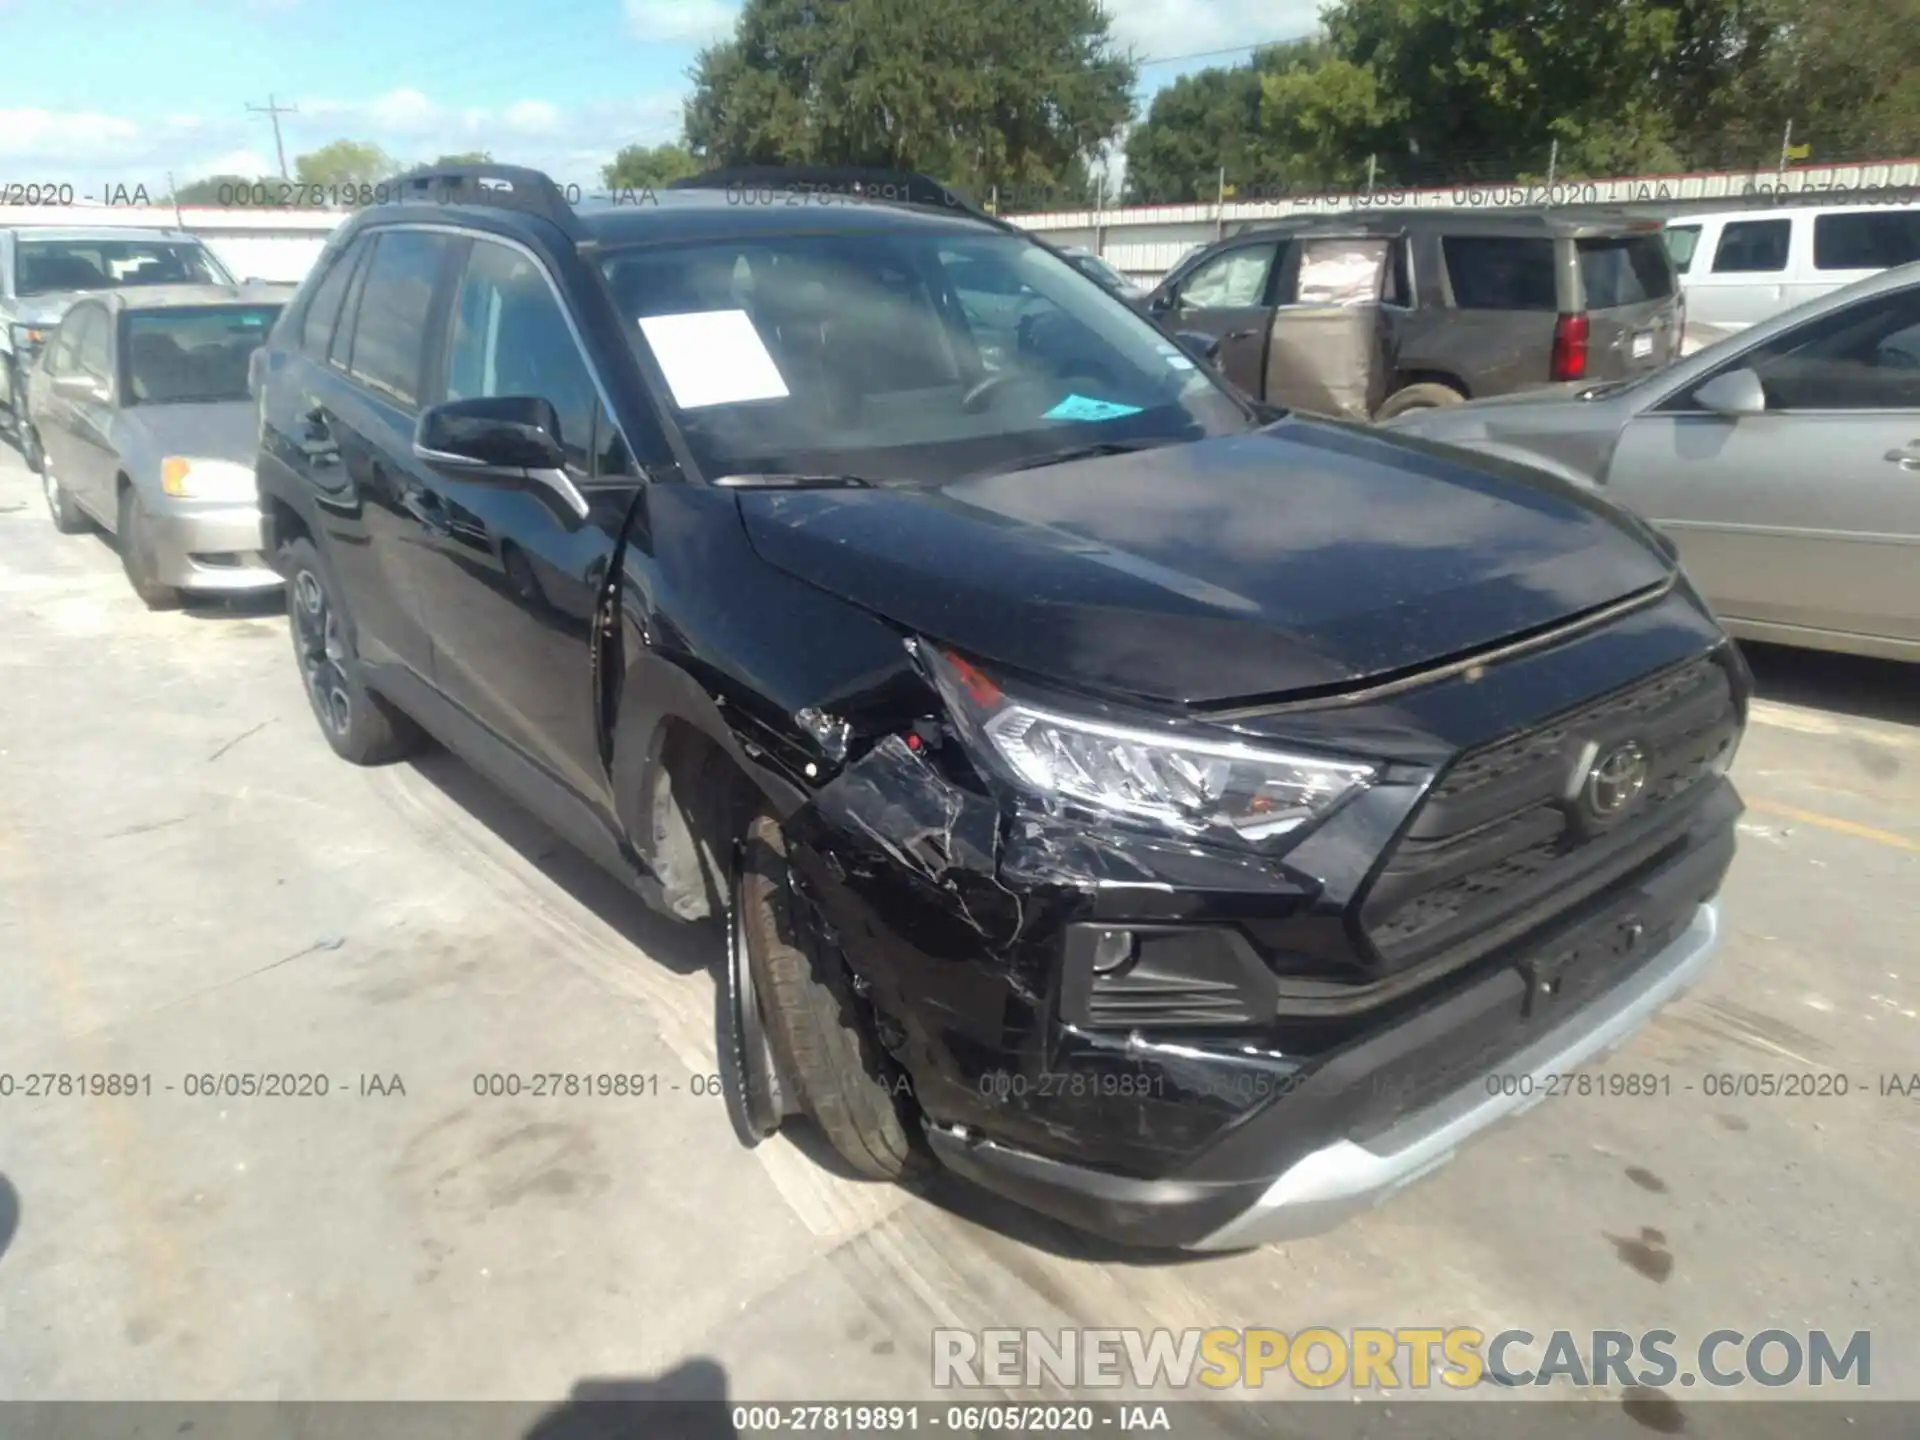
500, 187
892, 187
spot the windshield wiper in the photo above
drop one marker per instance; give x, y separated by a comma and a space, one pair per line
775, 480
1085, 452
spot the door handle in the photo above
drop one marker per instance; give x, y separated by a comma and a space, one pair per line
1907, 459
1238, 335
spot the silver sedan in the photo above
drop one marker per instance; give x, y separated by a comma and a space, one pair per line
1784, 463
139, 419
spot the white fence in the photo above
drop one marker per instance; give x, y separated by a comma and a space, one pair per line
1143, 241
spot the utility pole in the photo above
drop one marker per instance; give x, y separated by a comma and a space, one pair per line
1553, 167
1786, 145
276, 111
1220, 206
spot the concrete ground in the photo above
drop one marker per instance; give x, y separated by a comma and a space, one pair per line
191, 884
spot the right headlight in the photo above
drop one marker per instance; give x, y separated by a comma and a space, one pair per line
1185, 783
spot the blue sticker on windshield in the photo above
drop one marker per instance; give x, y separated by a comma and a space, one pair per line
1079, 407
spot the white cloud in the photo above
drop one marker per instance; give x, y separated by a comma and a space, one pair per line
234, 162
1180, 27
682, 21
404, 111
531, 117
39, 134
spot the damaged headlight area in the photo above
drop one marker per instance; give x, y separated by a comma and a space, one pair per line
1186, 783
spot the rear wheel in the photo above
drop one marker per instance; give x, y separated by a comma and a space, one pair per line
361, 726
1425, 396
137, 554
817, 1030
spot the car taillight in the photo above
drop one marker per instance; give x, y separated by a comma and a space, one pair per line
1570, 347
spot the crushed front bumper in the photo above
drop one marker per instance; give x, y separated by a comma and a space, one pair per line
1328, 1185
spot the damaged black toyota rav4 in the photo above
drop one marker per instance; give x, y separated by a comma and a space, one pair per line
1190, 821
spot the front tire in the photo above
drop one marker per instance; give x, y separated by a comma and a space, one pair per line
67, 517
361, 726
137, 554
815, 1025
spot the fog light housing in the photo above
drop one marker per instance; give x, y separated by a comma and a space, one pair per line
1113, 951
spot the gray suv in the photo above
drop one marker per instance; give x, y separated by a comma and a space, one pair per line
1372, 314
45, 268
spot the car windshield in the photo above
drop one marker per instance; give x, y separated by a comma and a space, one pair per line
183, 356
50, 266
910, 355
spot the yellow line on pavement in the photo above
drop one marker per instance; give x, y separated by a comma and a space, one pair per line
1834, 822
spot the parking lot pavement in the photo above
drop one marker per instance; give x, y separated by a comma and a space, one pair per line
191, 885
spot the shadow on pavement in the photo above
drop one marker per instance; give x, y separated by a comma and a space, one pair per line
1846, 684
688, 1402
9, 1213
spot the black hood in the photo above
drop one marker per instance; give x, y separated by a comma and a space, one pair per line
1303, 556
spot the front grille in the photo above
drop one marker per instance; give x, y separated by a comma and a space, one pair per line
1502, 836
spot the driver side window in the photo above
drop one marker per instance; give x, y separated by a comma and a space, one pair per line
1235, 279
63, 358
1864, 357
510, 337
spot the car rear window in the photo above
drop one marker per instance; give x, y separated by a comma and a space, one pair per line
1624, 270
1501, 272
1866, 239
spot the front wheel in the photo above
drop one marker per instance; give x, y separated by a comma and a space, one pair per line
360, 726
818, 1033
66, 515
137, 554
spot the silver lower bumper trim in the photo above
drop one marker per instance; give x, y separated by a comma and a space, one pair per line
1324, 1188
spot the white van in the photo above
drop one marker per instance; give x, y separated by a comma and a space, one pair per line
1740, 266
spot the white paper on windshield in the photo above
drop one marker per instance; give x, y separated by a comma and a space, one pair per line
713, 357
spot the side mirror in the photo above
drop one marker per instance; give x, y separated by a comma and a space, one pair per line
1161, 301
1737, 392
496, 433
1207, 347
79, 387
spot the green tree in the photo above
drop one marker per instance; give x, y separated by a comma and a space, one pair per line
639, 167
345, 162
466, 157
1211, 121
1014, 93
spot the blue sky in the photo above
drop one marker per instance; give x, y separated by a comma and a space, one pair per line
120, 92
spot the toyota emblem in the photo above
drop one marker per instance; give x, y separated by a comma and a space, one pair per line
1616, 780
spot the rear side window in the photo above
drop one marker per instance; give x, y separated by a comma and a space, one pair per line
1501, 272
1624, 270
1682, 241
1866, 239
1751, 247
390, 325
323, 311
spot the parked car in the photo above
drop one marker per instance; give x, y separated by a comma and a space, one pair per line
1376, 313
1739, 267
43, 269
1192, 828
1784, 462
1094, 267
139, 419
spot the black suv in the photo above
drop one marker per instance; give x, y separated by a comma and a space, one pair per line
1372, 314
1190, 823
